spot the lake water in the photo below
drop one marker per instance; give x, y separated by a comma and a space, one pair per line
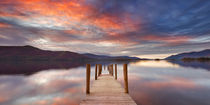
150, 83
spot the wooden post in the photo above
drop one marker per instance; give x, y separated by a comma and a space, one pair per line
100, 69
109, 69
96, 72
112, 69
116, 71
125, 71
87, 78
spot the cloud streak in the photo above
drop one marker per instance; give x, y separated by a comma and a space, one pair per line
127, 24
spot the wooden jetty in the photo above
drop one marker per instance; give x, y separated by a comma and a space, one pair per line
106, 90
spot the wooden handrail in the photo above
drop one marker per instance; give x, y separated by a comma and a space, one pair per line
98, 72
96, 67
125, 72
87, 78
116, 71
100, 69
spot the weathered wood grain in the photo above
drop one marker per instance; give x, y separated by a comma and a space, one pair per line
107, 91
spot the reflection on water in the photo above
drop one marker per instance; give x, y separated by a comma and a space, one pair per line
194, 64
31, 67
53, 87
171, 85
159, 64
150, 83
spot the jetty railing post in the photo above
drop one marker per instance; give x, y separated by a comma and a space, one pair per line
100, 69
125, 72
109, 69
116, 71
112, 69
87, 78
96, 72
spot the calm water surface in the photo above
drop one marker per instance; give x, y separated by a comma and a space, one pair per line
150, 83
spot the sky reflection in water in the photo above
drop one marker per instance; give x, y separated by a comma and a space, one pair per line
164, 83
150, 83
52, 87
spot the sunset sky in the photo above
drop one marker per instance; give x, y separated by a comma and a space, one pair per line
143, 28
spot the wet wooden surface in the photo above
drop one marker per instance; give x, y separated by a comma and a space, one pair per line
107, 91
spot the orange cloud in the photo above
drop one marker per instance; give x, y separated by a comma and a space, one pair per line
69, 12
42, 102
3, 99
107, 22
3, 25
78, 18
167, 39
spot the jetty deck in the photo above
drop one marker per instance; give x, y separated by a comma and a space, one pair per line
106, 90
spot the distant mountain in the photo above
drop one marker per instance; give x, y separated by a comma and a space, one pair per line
12, 53
105, 57
199, 54
33, 53
31, 67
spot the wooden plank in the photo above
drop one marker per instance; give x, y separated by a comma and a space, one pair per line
87, 78
107, 91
